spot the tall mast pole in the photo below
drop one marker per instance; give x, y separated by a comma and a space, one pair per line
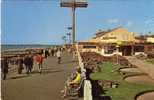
73, 4
73, 23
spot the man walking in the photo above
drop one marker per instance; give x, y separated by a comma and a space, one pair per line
28, 63
20, 64
58, 54
4, 67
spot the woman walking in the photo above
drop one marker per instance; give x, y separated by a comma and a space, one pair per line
58, 54
39, 59
4, 67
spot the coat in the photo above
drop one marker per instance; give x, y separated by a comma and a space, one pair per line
4, 66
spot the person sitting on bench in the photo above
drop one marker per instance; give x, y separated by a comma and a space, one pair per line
74, 82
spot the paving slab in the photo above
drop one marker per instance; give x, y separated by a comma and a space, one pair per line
36, 86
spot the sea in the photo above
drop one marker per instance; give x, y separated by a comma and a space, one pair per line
23, 46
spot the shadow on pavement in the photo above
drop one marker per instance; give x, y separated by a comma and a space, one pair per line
102, 98
46, 71
97, 91
34, 72
19, 76
47, 68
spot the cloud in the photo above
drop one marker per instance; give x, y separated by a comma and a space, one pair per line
116, 21
113, 21
129, 23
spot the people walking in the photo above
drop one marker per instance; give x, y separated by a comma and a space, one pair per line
28, 61
39, 59
55, 51
52, 52
46, 53
4, 67
31, 62
58, 54
20, 64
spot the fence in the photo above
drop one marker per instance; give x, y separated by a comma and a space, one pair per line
87, 84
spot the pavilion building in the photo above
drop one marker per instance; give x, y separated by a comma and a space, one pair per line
117, 41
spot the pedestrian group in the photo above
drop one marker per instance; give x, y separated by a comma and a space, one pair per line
27, 61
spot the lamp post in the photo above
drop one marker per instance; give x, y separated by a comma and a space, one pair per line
69, 37
73, 4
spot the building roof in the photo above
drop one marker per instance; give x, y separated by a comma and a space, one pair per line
101, 33
144, 37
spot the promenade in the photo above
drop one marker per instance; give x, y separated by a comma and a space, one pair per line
36, 86
142, 65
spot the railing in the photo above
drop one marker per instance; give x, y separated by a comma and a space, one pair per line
87, 84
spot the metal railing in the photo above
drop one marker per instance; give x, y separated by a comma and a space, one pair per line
87, 83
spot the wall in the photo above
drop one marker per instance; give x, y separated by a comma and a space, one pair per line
138, 53
81, 49
87, 83
120, 34
150, 39
102, 53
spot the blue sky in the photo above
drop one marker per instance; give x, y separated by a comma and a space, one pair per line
45, 22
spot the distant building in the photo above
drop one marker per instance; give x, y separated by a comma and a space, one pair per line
114, 36
150, 39
117, 41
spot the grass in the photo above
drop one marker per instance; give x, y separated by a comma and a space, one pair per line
125, 90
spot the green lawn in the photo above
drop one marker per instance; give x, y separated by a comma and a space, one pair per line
125, 90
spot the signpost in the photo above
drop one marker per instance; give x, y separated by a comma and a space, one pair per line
73, 4
69, 36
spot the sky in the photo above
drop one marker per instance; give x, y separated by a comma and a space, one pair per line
45, 22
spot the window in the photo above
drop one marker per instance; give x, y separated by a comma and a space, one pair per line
89, 47
139, 48
109, 49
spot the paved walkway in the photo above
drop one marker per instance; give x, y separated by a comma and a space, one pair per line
142, 65
46, 86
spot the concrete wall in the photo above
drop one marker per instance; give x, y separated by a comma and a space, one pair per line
138, 53
87, 84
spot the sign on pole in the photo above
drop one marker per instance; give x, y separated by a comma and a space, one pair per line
76, 3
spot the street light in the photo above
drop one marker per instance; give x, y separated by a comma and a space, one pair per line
69, 36
73, 4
